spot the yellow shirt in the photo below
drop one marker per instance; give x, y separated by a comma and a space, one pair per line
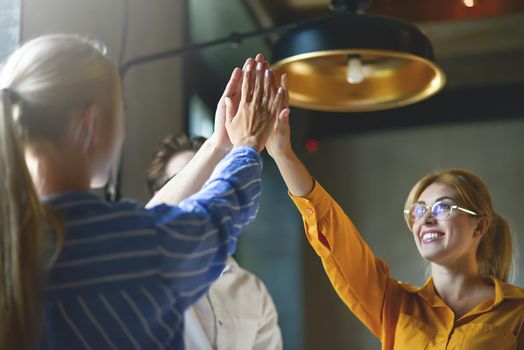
400, 315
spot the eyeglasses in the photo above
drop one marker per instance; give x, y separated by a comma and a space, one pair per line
439, 211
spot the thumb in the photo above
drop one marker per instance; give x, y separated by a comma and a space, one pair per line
283, 117
230, 113
282, 122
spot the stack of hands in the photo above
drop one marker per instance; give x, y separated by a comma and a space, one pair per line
253, 111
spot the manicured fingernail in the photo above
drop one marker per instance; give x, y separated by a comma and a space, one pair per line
280, 90
260, 65
267, 73
286, 112
249, 67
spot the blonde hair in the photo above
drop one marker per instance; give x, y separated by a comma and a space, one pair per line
495, 251
41, 83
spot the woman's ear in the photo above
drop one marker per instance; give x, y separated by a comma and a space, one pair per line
481, 228
90, 125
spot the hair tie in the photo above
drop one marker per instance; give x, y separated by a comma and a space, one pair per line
12, 95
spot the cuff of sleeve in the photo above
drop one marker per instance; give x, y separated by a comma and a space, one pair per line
317, 202
244, 160
251, 152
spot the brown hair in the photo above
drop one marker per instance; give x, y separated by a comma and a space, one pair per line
494, 253
169, 147
41, 83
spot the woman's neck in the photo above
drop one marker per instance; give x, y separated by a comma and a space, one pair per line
57, 169
461, 286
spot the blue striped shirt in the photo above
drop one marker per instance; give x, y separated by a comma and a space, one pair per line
126, 274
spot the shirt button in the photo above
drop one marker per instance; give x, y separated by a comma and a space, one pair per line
309, 211
219, 322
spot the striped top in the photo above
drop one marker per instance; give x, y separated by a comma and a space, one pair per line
126, 274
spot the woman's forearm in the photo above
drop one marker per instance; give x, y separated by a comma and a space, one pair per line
295, 174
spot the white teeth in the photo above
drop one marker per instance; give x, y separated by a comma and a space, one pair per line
430, 235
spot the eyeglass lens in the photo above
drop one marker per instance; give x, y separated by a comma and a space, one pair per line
439, 210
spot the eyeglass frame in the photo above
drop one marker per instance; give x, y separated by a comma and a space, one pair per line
430, 208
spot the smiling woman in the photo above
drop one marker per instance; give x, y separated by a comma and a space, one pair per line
465, 304
490, 245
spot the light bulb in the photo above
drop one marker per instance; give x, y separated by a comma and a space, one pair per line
355, 71
469, 3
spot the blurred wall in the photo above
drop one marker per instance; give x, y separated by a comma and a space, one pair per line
272, 248
370, 175
9, 26
129, 28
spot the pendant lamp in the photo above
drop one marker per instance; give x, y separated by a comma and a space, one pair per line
348, 62
355, 63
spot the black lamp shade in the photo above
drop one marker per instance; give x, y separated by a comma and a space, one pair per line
392, 61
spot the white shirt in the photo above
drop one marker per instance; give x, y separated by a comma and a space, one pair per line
237, 313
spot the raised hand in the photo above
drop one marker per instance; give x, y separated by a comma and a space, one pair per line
233, 92
254, 119
295, 174
279, 142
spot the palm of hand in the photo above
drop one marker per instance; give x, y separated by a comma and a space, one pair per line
233, 92
280, 139
220, 132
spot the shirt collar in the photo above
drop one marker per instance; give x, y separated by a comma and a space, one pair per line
502, 291
231, 266
507, 291
70, 196
427, 292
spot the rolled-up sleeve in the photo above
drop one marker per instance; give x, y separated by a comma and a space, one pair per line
358, 277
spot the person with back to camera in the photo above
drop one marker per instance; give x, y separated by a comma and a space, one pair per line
467, 302
76, 271
237, 313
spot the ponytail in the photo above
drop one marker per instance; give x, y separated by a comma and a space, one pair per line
43, 81
495, 251
22, 220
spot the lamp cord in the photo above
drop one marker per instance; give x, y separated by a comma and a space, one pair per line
112, 190
350, 6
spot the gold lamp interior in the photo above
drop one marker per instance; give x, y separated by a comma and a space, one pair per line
358, 80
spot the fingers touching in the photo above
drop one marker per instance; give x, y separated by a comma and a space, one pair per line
258, 91
283, 84
257, 109
247, 82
